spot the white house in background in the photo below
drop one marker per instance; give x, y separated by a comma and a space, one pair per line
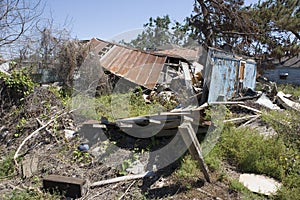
287, 71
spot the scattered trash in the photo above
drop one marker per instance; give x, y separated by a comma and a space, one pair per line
136, 168
83, 147
69, 134
266, 102
68, 186
286, 103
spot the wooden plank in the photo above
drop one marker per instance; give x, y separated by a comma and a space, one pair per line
122, 178
69, 186
226, 102
190, 139
241, 119
249, 108
285, 102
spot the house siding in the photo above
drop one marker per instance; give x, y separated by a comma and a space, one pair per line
292, 78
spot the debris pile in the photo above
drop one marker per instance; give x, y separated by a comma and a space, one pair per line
77, 159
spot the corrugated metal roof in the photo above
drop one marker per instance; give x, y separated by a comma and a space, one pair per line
142, 68
191, 54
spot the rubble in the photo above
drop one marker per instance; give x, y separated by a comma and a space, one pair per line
266, 102
100, 145
286, 103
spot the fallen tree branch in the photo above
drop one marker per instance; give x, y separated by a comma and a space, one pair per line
34, 133
122, 178
49, 132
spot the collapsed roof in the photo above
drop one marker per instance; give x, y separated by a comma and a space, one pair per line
140, 67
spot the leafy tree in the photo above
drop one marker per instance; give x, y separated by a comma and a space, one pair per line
162, 31
266, 28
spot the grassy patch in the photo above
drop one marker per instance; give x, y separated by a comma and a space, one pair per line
251, 152
188, 172
30, 195
289, 89
116, 106
7, 167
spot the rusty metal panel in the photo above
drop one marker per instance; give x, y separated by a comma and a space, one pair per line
135, 70
142, 68
130, 61
191, 54
223, 79
145, 70
155, 72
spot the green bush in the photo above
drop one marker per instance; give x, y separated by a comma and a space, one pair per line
7, 166
19, 83
115, 106
252, 152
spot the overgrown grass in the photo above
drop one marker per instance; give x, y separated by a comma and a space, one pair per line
289, 89
276, 156
115, 106
30, 195
252, 152
188, 172
7, 166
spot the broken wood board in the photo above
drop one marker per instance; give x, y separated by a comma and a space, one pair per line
249, 108
241, 119
189, 136
260, 184
68, 186
122, 178
286, 103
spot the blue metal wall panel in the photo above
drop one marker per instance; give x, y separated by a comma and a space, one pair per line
223, 79
221, 75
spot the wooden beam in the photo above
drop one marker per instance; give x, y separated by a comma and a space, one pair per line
190, 139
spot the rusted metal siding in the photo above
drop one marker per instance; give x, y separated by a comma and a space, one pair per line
223, 79
191, 54
137, 66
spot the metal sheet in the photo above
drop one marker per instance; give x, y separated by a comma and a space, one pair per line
186, 53
142, 68
250, 75
222, 75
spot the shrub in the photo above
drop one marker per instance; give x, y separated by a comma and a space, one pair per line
18, 83
251, 152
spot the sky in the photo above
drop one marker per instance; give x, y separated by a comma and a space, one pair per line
113, 19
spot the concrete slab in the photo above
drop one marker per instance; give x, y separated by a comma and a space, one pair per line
260, 184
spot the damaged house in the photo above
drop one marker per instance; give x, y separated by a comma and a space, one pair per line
214, 75
284, 71
151, 70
